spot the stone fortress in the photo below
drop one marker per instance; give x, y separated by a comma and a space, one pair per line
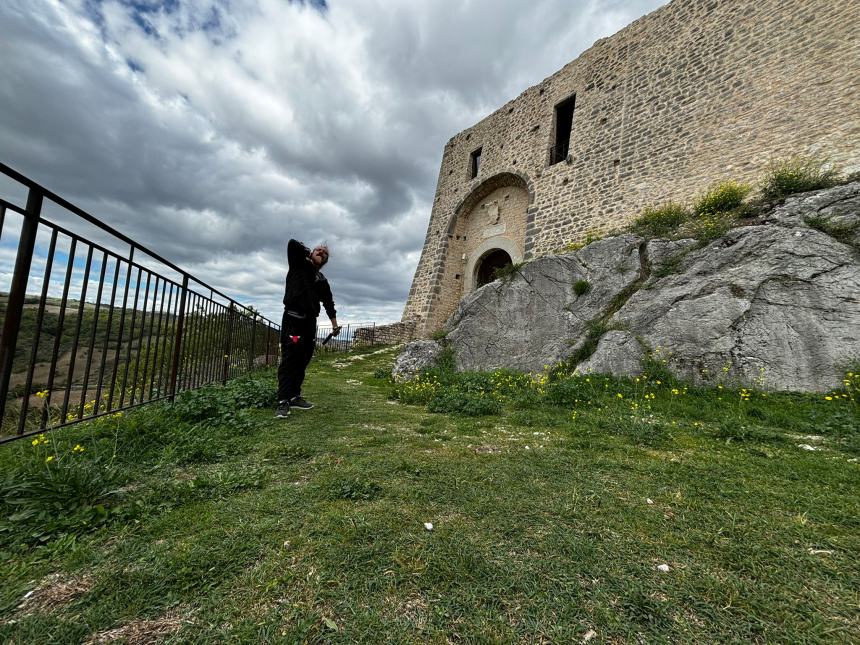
695, 92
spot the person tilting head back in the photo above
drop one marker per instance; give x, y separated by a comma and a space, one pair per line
306, 288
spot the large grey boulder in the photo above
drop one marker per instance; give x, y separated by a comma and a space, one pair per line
617, 353
414, 359
534, 318
835, 211
773, 306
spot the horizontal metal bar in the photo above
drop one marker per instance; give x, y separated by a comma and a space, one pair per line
17, 176
136, 265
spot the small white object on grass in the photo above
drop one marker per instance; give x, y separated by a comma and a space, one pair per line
663, 567
588, 635
649, 500
428, 526
820, 552
806, 446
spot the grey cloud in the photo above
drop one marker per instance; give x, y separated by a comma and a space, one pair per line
214, 140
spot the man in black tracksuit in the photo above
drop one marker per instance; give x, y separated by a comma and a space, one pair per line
306, 289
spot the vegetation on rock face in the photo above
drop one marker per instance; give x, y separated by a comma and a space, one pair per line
508, 271
797, 175
721, 198
590, 236
581, 287
221, 523
660, 221
723, 205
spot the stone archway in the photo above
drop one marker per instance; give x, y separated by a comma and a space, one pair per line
493, 246
494, 215
489, 264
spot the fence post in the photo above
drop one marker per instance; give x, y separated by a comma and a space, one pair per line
373, 336
268, 342
228, 345
177, 342
17, 293
253, 341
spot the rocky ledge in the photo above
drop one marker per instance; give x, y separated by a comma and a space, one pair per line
774, 305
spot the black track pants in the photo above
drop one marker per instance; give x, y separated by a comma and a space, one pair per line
295, 356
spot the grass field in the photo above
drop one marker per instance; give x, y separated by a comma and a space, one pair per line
575, 509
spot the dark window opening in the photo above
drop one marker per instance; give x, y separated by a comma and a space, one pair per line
475, 165
563, 126
491, 263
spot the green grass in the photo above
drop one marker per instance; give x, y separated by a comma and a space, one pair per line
252, 529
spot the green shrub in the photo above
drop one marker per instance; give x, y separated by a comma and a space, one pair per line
382, 373
581, 287
439, 334
473, 404
508, 271
709, 226
214, 406
417, 391
660, 221
721, 198
568, 391
797, 175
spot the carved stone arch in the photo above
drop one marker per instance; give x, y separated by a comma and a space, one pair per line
487, 247
507, 177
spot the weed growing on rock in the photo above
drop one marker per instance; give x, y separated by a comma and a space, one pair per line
581, 287
797, 175
660, 221
721, 198
508, 271
845, 232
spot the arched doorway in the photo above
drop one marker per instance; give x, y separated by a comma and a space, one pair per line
489, 264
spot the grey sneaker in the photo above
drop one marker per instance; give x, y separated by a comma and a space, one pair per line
283, 410
300, 404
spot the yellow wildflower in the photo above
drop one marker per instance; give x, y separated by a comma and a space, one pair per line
78, 448
49, 459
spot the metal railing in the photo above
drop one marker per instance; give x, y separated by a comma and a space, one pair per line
350, 336
88, 331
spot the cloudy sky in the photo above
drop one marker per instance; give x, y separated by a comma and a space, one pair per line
212, 131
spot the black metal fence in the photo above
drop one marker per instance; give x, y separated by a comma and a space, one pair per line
349, 337
90, 329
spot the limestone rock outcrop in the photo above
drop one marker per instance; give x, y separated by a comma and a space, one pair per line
534, 317
415, 357
775, 304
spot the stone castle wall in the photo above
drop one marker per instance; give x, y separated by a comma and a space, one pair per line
391, 334
695, 92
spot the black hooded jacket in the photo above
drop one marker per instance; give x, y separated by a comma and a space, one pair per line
306, 287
